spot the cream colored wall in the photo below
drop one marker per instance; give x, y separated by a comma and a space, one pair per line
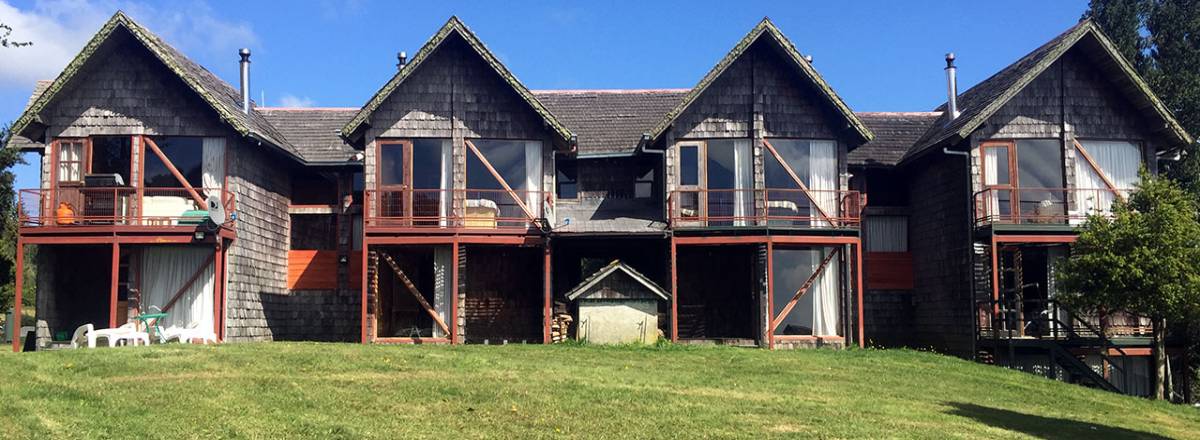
618, 321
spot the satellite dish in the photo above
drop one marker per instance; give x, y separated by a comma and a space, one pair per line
216, 212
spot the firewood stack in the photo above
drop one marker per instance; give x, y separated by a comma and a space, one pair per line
560, 328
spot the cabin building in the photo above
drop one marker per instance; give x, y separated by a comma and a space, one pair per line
458, 206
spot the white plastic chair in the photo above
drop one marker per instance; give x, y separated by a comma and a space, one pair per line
186, 335
127, 333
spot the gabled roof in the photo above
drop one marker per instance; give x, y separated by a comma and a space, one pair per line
980, 102
611, 268
452, 26
609, 122
219, 95
895, 133
314, 132
774, 35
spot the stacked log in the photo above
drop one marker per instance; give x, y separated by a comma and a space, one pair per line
560, 328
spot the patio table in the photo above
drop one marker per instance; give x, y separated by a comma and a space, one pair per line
157, 317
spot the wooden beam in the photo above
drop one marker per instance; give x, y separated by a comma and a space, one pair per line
115, 278
1096, 167
175, 172
454, 292
18, 285
191, 281
546, 287
858, 271
363, 292
803, 290
412, 288
218, 287
796, 178
500, 179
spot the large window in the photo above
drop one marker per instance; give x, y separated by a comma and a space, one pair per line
1024, 180
186, 153
416, 178
792, 162
799, 310
111, 155
519, 163
1104, 170
716, 181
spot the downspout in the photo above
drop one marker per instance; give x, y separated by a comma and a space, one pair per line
970, 244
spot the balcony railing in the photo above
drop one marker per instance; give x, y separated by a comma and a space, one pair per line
1047, 319
826, 209
122, 206
1048, 206
482, 209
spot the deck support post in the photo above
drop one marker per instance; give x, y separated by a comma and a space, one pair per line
219, 289
546, 288
114, 281
674, 292
769, 326
454, 337
18, 284
862, 342
363, 288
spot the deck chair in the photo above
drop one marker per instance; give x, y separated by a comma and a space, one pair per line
186, 335
87, 333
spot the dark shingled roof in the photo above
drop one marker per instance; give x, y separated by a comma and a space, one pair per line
453, 26
610, 215
223, 98
984, 99
766, 29
895, 133
609, 121
21, 142
314, 132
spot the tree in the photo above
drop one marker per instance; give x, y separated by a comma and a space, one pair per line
1173, 28
6, 41
8, 231
1122, 21
1144, 259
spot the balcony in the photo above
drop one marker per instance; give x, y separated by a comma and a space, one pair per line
1042, 206
429, 210
815, 209
77, 209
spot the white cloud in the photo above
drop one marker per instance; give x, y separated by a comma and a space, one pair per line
295, 101
60, 28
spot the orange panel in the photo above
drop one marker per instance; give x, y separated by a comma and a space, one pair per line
888, 270
312, 270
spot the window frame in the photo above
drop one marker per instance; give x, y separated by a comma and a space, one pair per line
83, 163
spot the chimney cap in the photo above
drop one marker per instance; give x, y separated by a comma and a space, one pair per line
245, 53
949, 59
808, 58
402, 59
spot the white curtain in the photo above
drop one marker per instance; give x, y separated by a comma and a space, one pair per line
823, 179
743, 176
213, 167
1118, 160
991, 170
442, 260
533, 177
446, 183
825, 295
166, 269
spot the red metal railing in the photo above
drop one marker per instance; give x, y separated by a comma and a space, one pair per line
123, 206
766, 207
453, 209
1042, 205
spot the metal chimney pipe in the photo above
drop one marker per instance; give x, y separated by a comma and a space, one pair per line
951, 88
245, 67
401, 60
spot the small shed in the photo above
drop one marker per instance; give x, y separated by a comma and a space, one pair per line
617, 304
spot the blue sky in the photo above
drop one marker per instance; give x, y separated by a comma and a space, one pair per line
878, 55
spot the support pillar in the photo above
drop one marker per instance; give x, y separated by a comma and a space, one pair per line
546, 287
770, 318
859, 286
454, 337
363, 287
674, 293
219, 288
115, 278
20, 275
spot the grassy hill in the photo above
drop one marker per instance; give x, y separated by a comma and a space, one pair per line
289, 390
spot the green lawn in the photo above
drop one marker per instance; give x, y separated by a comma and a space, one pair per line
289, 390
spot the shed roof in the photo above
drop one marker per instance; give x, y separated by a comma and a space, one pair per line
453, 26
314, 132
980, 102
609, 122
219, 95
895, 133
614, 267
766, 29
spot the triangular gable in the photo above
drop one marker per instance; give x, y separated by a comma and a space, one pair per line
765, 27
221, 97
983, 100
614, 267
452, 26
